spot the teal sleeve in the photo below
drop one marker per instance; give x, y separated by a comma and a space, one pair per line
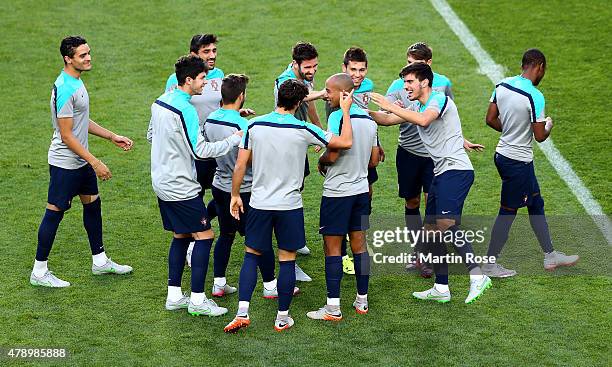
192, 123
493, 97
395, 86
171, 83
437, 102
539, 104
64, 103
334, 122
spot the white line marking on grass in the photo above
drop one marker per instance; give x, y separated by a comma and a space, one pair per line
495, 72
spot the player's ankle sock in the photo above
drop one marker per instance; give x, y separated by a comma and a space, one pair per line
441, 287
270, 285
362, 271
537, 219
174, 293
40, 268
343, 247
92, 220
176, 260
500, 231
221, 254
99, 259
286, 283
46, 233
333, 302
220, 281
282, 314
333, 275
199, 264
463, 247
197, 298
243, 308
266, 266
211, 208
362, 297
248, 276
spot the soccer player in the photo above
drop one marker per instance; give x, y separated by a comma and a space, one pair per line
516, 109
355, 64
276, 201
303, 67
72, 168
413, 163
221, 124
345, 205
439, 128
176, 142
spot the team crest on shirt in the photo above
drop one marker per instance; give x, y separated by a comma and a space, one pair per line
214, 85
203, 221
365, 98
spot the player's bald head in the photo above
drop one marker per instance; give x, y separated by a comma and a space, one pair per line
340, 81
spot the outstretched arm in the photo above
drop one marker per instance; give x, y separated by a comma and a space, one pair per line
416, 118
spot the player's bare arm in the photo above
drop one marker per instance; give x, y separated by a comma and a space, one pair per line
236, 205
65, 126
345, 140
120, 141
375, 157
542, 129
492, 117
416, 118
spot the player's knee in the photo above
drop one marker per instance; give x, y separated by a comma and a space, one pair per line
537, 205
413, 203
286, 255
88, 199
53, 207
251, 250
204, 235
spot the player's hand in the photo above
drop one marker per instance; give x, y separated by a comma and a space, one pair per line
470, 147
346, 100
122, 142
381, 153
548, 123
322, 169
236, 206
399, 103
380, 101
245, 112
101, 170
317, 148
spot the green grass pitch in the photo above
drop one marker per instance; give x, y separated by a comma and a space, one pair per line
535, 318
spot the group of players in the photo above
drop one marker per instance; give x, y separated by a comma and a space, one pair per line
255, 169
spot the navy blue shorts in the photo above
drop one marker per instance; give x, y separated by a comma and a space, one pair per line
185, 216
519, 182
447, 195
341, 215
205, 171
372, 175
227, 223
414, 173
288, 226
65, 184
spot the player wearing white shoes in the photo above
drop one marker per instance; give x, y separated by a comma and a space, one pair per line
277, 142
176, 142
303, 67
413, 163
516, 110
72, 168
439, 127
345, 205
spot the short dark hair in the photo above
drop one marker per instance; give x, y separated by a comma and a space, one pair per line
420, 51
420, 70
69, 45
189, 66
355, 54
291, 93
200, 40
533, 57
232, 86
304, 51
